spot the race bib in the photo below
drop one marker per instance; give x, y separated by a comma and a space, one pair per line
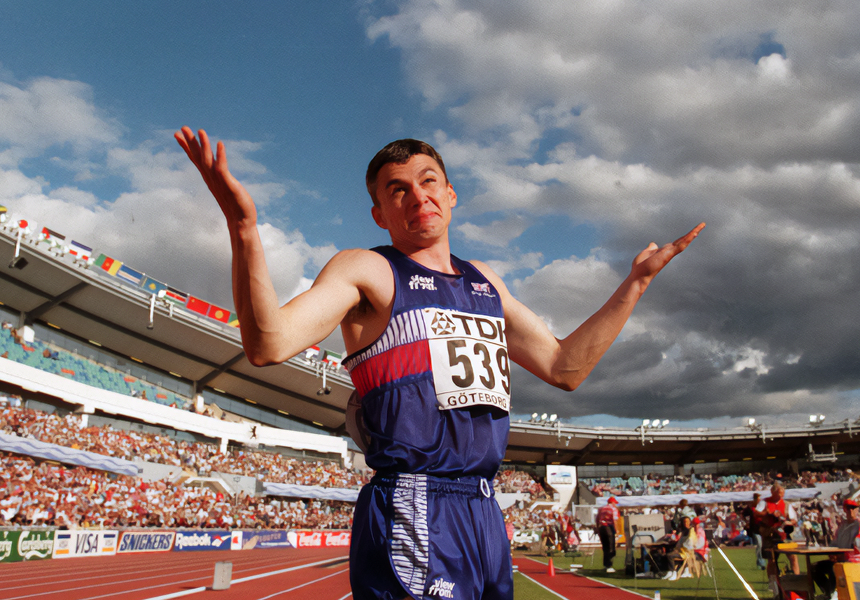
469, 359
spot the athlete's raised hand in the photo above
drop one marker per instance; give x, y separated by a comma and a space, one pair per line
652, 259
235, 201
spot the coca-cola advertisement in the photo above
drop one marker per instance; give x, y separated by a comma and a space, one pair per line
335, 539
319, 539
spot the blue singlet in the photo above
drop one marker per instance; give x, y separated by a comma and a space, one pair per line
433, 399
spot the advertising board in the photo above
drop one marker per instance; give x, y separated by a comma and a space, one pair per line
84, 543
26, 545
205, 539
146, 541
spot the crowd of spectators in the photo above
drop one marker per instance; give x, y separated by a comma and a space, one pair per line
511, 481
42, 493
654, 485
38, 493
199, 458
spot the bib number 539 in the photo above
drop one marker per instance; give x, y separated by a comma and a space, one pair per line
469, 359
492, 365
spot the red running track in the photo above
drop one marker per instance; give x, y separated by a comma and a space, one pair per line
286, 574
570, 587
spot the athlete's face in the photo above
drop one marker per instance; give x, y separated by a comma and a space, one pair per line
415, 201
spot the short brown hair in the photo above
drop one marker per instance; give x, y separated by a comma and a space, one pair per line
399, 152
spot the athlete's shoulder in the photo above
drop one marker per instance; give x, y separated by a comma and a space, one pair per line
356, 263
364, 269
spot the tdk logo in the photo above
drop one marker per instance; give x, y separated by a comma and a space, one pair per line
424, 283
441, 588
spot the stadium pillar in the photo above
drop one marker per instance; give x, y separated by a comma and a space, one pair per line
223, 449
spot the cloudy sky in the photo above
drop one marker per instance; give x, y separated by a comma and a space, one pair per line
574, 133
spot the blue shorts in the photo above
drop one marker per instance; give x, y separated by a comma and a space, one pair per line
429, 537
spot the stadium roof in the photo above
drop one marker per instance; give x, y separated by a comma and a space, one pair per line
92, 305
88, 303
563, 444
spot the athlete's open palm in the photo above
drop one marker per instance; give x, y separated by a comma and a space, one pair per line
232, 197
652, 259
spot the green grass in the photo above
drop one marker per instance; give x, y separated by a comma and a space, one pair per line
728, 585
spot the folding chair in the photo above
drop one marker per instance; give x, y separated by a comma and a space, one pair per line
705, 564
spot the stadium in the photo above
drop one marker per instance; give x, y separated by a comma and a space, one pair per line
141, 392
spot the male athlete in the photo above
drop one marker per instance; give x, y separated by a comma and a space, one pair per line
429, 338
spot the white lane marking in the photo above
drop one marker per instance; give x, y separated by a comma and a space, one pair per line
303, 585
543, 586
617, 587
242, 580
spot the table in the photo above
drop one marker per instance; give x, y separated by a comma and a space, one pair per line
656, 552
808, 552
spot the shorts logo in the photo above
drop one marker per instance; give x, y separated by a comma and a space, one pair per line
423, 283
442, 324
441, 588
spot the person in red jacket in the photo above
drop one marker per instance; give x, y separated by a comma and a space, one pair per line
606, 517
778, 520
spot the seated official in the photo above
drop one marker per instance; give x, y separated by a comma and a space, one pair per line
685, 549
847, 536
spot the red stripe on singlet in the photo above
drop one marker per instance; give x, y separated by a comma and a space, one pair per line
391, 365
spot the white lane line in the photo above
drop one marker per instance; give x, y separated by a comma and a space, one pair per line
303, 585
242, 580
617, 587
543, 586
204, 570
107, 583
102, 576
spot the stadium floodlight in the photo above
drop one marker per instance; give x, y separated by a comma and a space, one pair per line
534, 418
552, 418
543, 417
751, 422
655, 422
816, 420
665, 422
646, 423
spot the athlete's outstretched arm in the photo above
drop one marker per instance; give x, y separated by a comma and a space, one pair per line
566, 363
270, 333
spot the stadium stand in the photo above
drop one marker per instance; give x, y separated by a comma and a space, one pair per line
42, 494
58, 361
56, 470
708, 483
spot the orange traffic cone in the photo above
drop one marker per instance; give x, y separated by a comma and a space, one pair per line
550, 569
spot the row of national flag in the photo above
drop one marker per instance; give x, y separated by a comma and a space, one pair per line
140, 280
78, 250
123, 272
129, 276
